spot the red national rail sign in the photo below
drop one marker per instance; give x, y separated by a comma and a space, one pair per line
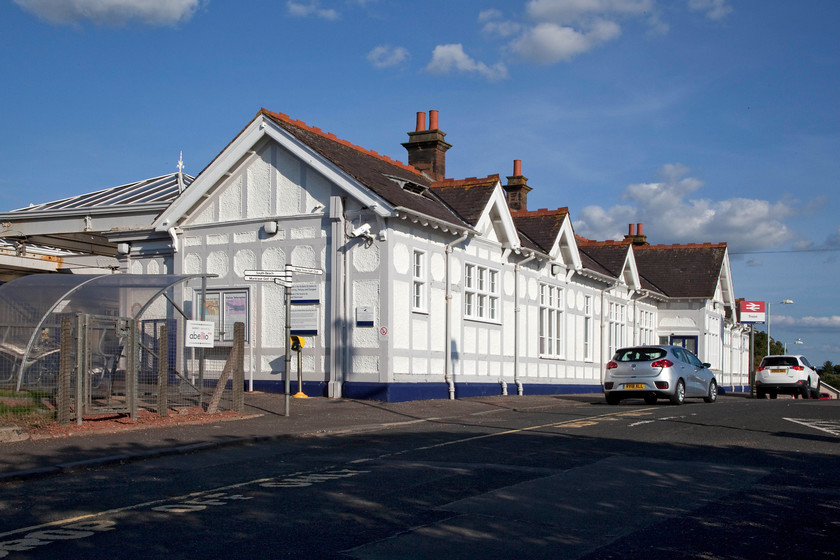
753, 312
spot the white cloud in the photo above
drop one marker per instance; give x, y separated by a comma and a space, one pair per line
715, 9
671, 215
496, 26
112, 12
386, 56
452, 58
547, 43
312, 8
566, 11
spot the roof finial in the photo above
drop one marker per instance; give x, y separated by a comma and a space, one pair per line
181, 172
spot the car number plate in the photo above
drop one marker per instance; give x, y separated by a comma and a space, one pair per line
634, 385
777, 371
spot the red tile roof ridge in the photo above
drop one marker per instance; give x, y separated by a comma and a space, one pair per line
469, 181
330, 136
683, 246
540, 212
607, 243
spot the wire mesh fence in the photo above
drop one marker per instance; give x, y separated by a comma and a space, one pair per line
82, 364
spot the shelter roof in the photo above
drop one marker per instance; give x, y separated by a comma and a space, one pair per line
156, 190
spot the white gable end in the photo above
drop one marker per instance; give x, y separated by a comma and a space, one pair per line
496, 222
264, 172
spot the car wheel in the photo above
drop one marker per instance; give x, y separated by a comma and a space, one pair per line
773, 395
650, 398
712, 396
613, 399
679, 393
816, 393
806, 390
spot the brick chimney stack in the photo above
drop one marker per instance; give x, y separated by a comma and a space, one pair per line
635, 235
516, 190
427, 148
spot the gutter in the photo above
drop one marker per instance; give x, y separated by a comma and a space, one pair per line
516, 312
448, 321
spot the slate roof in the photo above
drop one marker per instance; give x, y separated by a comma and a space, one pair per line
681, 270
609, 256
543, 225
467, 197
371, 169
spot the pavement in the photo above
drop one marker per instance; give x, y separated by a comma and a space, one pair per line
24, 456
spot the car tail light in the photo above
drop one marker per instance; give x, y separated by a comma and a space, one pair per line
662, 385
611, 365
608, 385
798, 368
662, 363
760, 368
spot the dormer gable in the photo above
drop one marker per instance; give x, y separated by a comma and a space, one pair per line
617, 258
481, 203
552, 231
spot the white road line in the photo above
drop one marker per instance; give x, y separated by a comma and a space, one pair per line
828, 426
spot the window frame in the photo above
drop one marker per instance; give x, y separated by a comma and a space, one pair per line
222, 308
482, 293
552, 322
419, 281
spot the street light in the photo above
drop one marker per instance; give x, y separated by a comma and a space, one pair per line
784, 302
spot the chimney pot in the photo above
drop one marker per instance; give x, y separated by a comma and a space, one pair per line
421, 121
632, 230
517, 168
433, 119
639, 229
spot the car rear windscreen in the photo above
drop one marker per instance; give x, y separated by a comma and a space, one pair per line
639, 354
779, 361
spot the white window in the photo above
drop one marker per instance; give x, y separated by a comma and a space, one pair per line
224, 308
420, 283
552, 342
587, 328
618, 326
646, 334
481, 293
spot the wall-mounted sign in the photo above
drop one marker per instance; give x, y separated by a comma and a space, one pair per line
305, 292
200, 334
304, 320
365, 316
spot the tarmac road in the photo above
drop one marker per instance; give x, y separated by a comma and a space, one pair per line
512, 477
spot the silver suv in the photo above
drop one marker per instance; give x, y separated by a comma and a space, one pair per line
788, 374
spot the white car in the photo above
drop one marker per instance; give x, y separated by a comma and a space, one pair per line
788, 374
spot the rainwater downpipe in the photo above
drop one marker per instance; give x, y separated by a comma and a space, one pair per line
448, 327
516, 312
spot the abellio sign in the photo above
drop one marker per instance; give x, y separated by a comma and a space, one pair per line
200, 334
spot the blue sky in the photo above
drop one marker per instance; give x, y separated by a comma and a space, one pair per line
705, 120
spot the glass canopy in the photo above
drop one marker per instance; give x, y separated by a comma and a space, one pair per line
31, 308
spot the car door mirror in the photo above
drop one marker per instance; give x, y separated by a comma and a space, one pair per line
707, 365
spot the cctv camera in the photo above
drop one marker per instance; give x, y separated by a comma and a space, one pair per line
361, 231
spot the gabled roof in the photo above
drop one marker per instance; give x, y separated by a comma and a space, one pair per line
617, 258
685, 271
552, 231
384, 185
467, 197
480, 203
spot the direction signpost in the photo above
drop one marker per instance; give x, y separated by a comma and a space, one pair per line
283, 278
